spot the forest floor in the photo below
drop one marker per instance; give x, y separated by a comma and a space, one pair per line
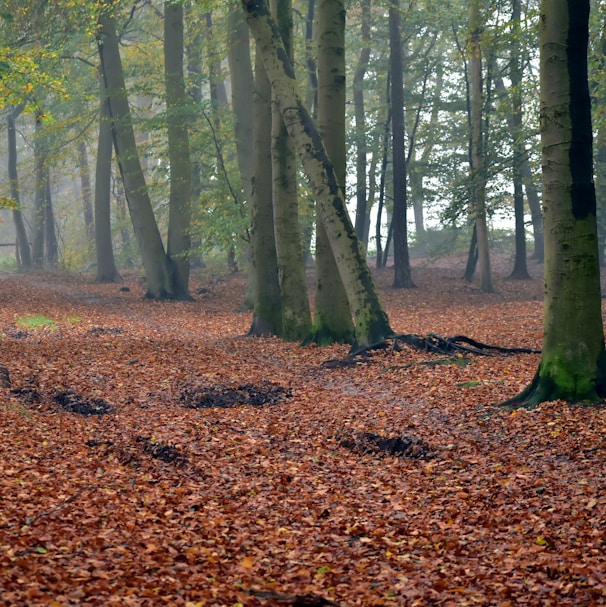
152, 455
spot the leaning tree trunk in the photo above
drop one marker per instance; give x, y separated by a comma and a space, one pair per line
372, 324
25, 257
179, 202
332, 314
573, 360
160, 277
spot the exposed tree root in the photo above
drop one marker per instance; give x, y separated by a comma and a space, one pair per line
459, 344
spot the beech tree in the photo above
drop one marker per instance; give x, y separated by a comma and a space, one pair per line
573, 360
372, 324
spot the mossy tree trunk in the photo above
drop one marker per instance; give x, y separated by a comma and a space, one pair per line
332, 314
371, 322
573, 362
296, 315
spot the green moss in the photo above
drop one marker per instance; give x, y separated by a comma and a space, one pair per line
35, 321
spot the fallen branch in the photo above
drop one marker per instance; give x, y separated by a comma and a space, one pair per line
31, 520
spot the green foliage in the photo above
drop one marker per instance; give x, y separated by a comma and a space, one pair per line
36, 321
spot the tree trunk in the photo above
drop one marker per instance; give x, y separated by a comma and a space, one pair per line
478, 168
267, 313
372, 324
402, 272
51, 247
332, 314
573, 361
179, 204
24, 253
106, 264
296, 315
160, 277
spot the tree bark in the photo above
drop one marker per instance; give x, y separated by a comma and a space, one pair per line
372, 324
573, 360
87, 194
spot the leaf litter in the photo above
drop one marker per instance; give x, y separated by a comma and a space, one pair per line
260, 503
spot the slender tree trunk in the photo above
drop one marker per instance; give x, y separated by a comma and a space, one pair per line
296, 315
573, 360
267, 313
372, 324
106, 264
520, 267
402, 271
360, 121
87, 194
179, 205
160, 275
51, 247
24, 254
478, 168
311, 98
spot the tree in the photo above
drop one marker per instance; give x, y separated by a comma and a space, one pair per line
573, 360
372, 324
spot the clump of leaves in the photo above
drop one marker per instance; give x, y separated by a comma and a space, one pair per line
75, 403
399, 446
166, 453
265, 393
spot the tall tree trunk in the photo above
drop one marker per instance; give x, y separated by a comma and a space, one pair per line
160, 275
371, 322
520, 268
332, 314
267, 313
296, 315
40, 177
478, 162
106, 264
24, 253
360, 121
179, 205
402, 272
87, 195
573, 359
